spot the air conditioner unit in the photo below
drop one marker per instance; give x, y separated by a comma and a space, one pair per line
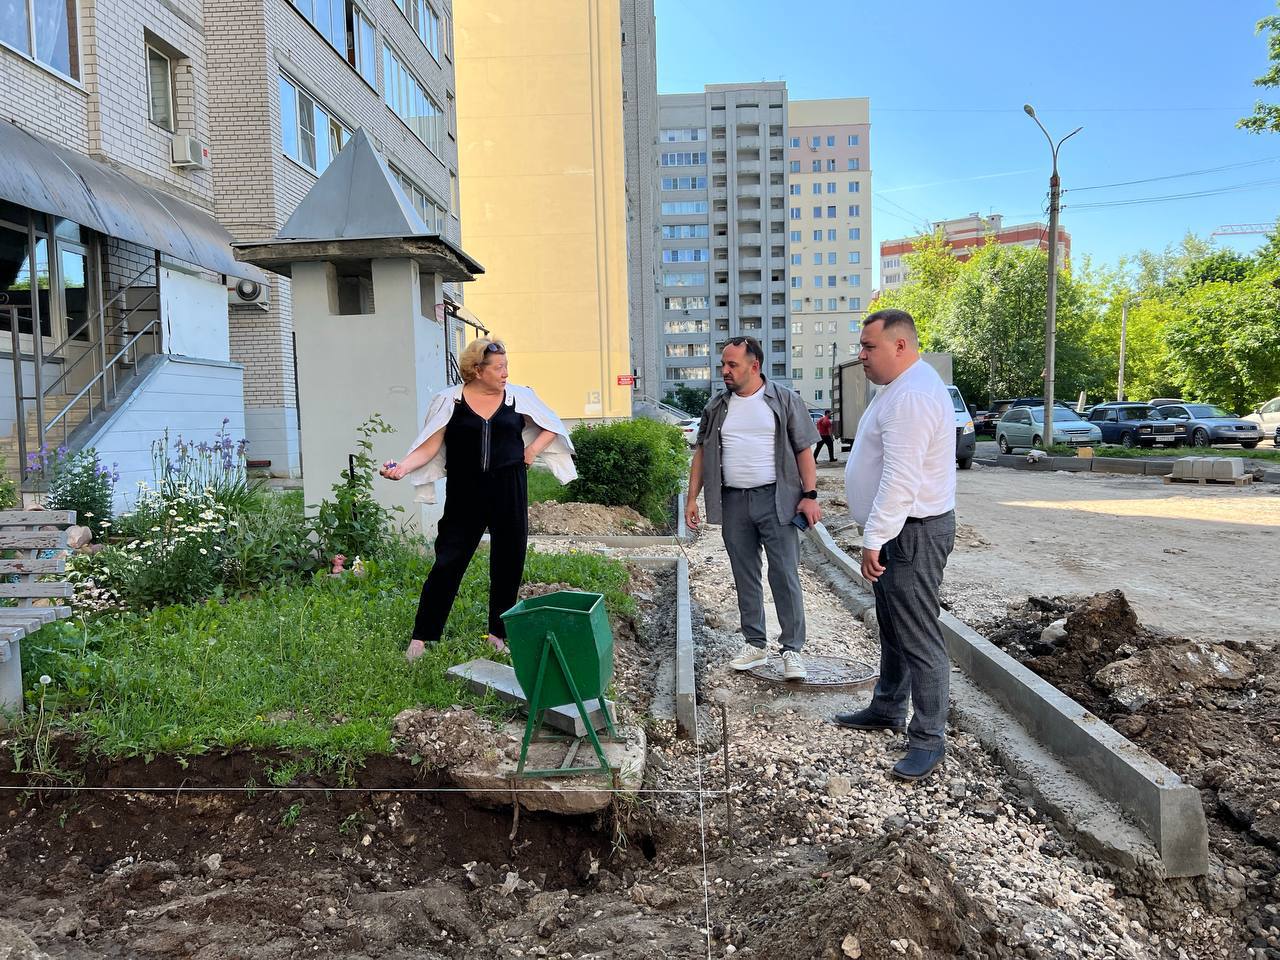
246, 293
188, 152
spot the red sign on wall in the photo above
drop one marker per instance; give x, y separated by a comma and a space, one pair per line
626, 380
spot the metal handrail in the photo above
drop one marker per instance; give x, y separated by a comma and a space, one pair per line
106, 333
102, 311
101, 374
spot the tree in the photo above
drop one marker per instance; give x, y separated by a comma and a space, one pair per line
692, 400
931, 270
1224, 343
1266, 116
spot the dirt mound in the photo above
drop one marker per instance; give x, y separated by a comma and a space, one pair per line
443, 738
887, 899
579, 519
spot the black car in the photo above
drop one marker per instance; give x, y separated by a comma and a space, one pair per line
1136, 425
1208, 424
984, 423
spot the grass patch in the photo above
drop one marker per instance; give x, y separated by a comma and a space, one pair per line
1107, 450
543, 486
315, 667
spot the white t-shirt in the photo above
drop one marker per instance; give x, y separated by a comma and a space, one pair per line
747, 442
903, 462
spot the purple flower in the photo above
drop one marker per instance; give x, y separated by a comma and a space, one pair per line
226, 420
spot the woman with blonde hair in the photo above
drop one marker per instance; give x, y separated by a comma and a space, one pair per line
493, 431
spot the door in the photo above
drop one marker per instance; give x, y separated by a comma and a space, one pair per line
1270, 414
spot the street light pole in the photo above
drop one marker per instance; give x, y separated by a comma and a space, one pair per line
1124, 329
1051, 310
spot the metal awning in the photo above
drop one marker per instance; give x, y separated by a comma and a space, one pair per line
43, 176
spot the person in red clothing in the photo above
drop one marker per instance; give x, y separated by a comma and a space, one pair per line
825, 438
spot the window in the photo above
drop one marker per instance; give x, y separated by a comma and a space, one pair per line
817, 166
855, 303
309, 133
160, 88
795, 166
815, 141
675, 208
817, 306
795, 236
686, 326
794, 190
817, 281
853, 139
795, 142
684, 183
819, 373
797, 282
797, 351
831, 186
831, 235
817, 394
831, 212
854, 186
831, 165
688, 349
431, 212
855, 280
817, 189
855, 209
853, 164
797, 326
819, 350
855, 256
48, 31
797, 373
688, 373
329, 17
363, 53
855, 233
831, 258
817, 236
795, 259
797, 306
684, 231
831, 280
831, 305
409, 100
425, 21
684, 279
683, 159
687, 303
455, 198
686, 256
817, 259
817, 212
831, 141
682, 134
778, 370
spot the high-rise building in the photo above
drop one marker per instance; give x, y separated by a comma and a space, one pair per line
964, 235
640, 134
828, 237
722, 215
540, 123
288, 83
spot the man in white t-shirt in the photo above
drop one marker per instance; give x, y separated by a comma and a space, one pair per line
753, 462
900, 484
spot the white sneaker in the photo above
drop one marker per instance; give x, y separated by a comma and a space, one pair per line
792, 666
749, 657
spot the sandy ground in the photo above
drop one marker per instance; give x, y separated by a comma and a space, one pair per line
1197, 561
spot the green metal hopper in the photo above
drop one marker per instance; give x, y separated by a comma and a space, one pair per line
562, 651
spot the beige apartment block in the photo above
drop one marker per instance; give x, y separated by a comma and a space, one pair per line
289, 82
829, 237
540, 128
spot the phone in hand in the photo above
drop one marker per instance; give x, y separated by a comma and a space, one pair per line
801, 521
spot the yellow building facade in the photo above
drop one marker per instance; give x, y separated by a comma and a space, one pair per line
543, 189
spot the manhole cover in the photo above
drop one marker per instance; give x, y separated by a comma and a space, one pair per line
826, 674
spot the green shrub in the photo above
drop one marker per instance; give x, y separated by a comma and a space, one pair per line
268, 544
632, 463
8, 489
77, 481
175, 549
354, 523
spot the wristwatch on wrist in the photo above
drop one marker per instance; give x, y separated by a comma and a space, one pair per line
809, 495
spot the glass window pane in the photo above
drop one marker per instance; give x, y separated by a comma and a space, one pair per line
160, 88
56, 35
289, 118
75, 293
14, 28
306, 130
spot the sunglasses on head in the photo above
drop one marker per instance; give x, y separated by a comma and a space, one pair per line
495, 347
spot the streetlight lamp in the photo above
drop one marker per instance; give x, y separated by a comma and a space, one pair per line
1051, 311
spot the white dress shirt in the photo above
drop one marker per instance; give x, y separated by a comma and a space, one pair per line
903, 462
747, 442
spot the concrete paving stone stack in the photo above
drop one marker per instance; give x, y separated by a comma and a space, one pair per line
1227, 468
1184, 468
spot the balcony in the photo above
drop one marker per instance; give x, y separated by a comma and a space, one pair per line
754, 310
719, 193
749, 190
750, 263
749, 239
720, 243
777, 166
748, 143
718, 143
749, 166
777, 263
751, 286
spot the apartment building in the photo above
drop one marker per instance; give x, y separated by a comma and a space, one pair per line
540, 116
640, 137
723, 230
828, 237
966, 234
113, 270
288, 84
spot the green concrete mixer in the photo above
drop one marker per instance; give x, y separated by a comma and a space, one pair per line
562, 651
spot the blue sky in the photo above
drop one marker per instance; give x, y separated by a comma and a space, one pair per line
1158, 88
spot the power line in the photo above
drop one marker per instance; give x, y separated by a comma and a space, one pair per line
1136, 201
1018, 110
1174, 176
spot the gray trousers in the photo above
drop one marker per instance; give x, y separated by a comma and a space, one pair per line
913, 652
751, 522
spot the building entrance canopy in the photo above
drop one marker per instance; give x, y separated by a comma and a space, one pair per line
38, 174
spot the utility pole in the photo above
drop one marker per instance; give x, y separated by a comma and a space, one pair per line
1124, 330
1051, 310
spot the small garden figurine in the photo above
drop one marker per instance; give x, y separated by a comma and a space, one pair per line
338, 562
358, 568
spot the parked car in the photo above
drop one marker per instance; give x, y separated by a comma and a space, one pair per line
1136, 425
1039, 402
966, 439
1276, 441
1266, 416
1159, 402
1023, 427
984, 423
1207, 424
690, 430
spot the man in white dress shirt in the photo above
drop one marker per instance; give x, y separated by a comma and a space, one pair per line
900, 483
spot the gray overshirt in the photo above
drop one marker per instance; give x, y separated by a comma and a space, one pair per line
795, 432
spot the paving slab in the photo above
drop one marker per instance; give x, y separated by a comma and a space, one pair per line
493, 782
1161, 804
488, 676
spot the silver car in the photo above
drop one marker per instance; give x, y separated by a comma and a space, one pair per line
1208, 423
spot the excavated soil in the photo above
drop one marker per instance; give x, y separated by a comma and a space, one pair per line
587, 519
1208, 710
